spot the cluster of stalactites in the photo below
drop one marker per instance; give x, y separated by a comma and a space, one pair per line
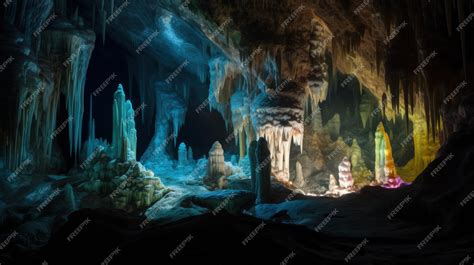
223, 74
279, 140
124, 134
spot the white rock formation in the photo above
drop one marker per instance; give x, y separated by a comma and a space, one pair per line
279, 119
182, 155
216, 165
345, 176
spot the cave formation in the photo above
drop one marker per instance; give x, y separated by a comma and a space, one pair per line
249, 131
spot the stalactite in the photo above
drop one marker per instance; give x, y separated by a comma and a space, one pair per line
448, 8
93, 15
461, 16
103, 24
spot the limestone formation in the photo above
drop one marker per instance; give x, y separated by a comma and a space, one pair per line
345, 175
123, 185
263, 172
360, 171
124, 134
216, 165
182, 155
332, 184
384, 163
253, 163
299, 178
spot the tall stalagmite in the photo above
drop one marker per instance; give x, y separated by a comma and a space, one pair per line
263, 171
253, 163
124, 134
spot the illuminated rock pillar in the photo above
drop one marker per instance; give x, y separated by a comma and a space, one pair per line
345, 176
124, 134
384, 163
182, 155
216, 166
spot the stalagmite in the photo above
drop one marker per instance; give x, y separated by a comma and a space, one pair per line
299, 178
380, 154
263, 172
359, 169
332, 184
345, 175
190, 155
334, 126
385, 170
216, 165
182, 155
70, 198
124, 134
253, 163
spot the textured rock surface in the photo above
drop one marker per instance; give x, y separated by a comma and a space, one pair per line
124, 185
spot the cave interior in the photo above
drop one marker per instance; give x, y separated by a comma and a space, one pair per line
256, 131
